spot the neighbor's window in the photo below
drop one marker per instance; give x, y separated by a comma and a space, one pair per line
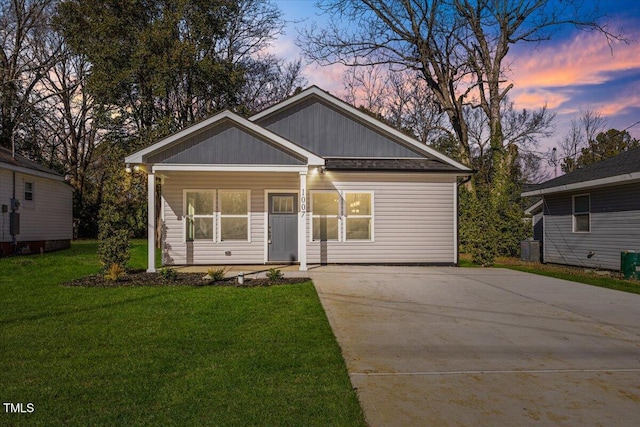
199, 215
28, 190
234, 215
325, 206
581, 214
358, 216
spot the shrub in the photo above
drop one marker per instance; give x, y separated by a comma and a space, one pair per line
168, 273
274, 275
217, 274
115, 272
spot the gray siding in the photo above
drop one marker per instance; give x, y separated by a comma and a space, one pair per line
327, 132
413, 218
615, 227
48, 216
177, 251
225, 143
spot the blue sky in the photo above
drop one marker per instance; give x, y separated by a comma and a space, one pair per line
574, 71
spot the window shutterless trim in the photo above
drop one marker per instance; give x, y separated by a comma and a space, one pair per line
221, 215
315, 216
186, 216
575, 214
346, 216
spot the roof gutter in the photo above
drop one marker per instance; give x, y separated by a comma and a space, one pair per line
602, 182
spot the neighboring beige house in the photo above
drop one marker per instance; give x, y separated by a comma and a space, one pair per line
36, 207
309, 180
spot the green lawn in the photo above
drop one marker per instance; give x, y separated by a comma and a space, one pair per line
573, 274
164, 355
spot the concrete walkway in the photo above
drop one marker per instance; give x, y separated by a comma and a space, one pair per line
484, 347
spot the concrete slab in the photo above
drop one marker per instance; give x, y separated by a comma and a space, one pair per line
452, 346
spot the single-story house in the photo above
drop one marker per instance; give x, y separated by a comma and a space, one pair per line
591, 215
309, 180
36, 206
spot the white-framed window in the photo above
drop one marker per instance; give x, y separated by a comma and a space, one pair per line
28, 190
234, 214
325, 215
199, 214
582, 213
358, 212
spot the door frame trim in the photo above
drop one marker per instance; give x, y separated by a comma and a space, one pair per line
265, 231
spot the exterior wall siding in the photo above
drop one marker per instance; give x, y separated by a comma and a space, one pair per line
49, 216
413, 218
615, 227
178, 252
225, 143
328, 132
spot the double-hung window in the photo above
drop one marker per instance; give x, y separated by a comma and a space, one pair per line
234, 214
325, 207
581, 214
199, 214
346, 216
358, 216
28, 190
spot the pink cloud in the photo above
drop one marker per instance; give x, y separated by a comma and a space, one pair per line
585, 59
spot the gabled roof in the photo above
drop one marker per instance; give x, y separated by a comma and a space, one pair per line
620, 169
24, 165
349, 110
143, 156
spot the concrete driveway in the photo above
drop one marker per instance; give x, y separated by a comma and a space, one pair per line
484, 347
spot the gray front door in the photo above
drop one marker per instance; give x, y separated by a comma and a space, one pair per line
283, 227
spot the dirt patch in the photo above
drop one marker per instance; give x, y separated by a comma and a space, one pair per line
142, 278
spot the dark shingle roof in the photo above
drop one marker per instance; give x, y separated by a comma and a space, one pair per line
20, 161
389, 165
624, 163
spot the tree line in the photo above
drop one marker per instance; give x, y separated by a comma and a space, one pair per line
85, 82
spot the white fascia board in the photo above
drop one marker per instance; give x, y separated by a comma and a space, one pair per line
32, 172
227, 168
537, 205
312, 159
359, 114
603, 182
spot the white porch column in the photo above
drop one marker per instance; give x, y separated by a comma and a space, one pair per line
302, 222
151, 222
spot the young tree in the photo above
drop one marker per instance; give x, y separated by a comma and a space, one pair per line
582, 132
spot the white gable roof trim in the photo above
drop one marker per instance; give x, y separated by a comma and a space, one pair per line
32, 172
603, 182
139, 156
349, 109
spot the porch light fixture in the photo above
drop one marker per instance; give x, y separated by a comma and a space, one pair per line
127, 169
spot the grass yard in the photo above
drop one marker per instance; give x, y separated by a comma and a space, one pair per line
574, 274
188, 356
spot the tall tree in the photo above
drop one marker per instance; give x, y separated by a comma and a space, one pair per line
459, 48
580, 135
606, 144
28, 51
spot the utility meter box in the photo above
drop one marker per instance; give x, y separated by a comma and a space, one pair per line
14, 223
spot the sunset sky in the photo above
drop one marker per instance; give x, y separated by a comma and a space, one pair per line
574, 71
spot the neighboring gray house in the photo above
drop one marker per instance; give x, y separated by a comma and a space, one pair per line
591, 215
309, 180
36, 206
